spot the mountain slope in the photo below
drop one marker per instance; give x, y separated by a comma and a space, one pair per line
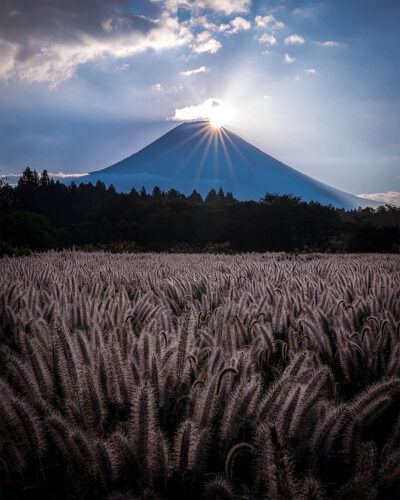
196, 156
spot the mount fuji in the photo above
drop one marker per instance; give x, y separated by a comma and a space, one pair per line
197, 156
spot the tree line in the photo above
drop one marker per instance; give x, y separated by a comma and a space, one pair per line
41, 213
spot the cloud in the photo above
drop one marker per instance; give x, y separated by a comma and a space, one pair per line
190, 72
288, 59
305, 12
59, 175
47, 41
390, 197
294, 39
203, 36
226, 6
330, 43
268, 22
203, 21
267, 38
212, 46
224, 27
211, 108
311, 71
157, 87
236, 25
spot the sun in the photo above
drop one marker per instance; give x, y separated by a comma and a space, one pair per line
220, 113
216, 123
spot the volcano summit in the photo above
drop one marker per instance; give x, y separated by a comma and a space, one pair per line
198, 156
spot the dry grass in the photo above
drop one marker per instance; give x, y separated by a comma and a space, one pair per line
248, 376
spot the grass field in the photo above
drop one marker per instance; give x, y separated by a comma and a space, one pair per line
200, 376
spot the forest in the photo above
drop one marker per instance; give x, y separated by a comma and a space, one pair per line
40, 213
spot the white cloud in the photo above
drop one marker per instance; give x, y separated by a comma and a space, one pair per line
266, 52
267, 38
330, 43
268, 22
310, 71
201, 21
190, 72
211, 109
288, 59
390, 197
59, 175
294, 39
226, 6
224, 27
157, 87
211, 46
53, 62
203, 36
238, 24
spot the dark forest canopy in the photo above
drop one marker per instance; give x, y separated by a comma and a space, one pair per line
41, 213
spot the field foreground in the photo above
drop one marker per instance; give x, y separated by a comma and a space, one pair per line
197, 376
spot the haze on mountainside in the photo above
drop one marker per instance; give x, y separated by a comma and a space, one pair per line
196, 155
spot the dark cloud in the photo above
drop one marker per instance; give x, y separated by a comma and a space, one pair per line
45, 40
30, 24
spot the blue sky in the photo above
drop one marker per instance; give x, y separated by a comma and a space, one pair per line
314, 84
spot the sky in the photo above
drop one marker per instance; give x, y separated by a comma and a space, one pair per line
313, 83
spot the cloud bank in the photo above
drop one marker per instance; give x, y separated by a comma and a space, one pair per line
59, 175
390, 197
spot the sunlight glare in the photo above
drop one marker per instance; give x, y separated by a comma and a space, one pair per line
215, 122
220, 114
